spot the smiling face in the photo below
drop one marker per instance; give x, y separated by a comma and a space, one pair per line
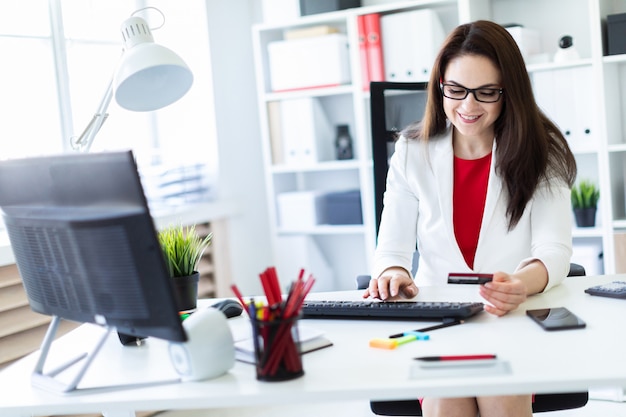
473, 120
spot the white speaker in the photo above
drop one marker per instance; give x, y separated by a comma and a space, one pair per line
209, 351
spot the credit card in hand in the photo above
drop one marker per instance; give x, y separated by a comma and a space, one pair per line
468, 278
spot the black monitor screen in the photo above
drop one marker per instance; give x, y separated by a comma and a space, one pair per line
85, 243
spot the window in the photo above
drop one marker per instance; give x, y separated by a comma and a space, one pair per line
59, 56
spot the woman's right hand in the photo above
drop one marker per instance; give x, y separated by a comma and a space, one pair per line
392, 284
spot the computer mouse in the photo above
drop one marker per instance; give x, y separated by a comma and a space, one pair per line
230, 307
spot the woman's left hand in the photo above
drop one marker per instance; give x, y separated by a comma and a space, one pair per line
503, 294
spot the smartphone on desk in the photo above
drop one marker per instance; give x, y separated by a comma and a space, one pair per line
557, 318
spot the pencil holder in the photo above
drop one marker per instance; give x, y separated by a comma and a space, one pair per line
277, 349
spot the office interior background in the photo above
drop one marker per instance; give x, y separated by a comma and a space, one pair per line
60, 54
59, 57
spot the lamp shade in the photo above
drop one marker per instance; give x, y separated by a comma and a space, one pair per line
149, 76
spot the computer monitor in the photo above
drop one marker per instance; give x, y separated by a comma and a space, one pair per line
85, 244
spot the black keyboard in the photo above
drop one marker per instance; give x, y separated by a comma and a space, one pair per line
367, 309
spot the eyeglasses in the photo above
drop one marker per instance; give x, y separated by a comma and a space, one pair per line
484, 95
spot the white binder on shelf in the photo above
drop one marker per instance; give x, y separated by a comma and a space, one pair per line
565, 96
306, 132
411, 41
585, 124
276, 138
543, 89
565, 112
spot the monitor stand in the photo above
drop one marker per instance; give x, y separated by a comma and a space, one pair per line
48, 381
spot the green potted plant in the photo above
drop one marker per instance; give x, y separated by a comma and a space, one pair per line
585, 196
182, 249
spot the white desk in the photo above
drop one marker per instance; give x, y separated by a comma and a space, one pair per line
540, 361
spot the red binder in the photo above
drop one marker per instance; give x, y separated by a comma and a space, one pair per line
374, 47
365, 73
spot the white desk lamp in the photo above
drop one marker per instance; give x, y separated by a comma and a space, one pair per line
148, 77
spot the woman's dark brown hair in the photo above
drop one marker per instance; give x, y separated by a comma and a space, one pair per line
530, 147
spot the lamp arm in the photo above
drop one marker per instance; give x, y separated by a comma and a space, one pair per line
83, 142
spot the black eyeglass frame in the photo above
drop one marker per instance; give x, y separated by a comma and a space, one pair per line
500, 91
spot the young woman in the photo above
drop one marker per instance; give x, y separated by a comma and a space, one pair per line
482, 184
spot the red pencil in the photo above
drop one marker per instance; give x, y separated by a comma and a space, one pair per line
279, 346
455, 358
239, 296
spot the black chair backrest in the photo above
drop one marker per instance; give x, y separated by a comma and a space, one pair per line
393, 107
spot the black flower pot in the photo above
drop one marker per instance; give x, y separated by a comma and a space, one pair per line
585, 217
186, 291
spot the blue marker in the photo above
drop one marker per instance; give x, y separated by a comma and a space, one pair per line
418, 335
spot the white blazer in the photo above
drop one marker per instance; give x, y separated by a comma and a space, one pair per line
418, 208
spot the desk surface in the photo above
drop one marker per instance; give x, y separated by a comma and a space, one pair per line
539, 361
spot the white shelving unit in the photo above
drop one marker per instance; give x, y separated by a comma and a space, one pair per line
595, 83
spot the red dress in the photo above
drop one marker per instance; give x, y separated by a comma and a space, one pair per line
471, 177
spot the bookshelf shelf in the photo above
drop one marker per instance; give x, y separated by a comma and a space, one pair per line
600, 150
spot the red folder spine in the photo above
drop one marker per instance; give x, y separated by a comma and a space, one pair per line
365, 73
374, 47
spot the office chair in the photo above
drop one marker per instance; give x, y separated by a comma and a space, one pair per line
394, 105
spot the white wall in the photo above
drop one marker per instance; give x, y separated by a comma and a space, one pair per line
241, 176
